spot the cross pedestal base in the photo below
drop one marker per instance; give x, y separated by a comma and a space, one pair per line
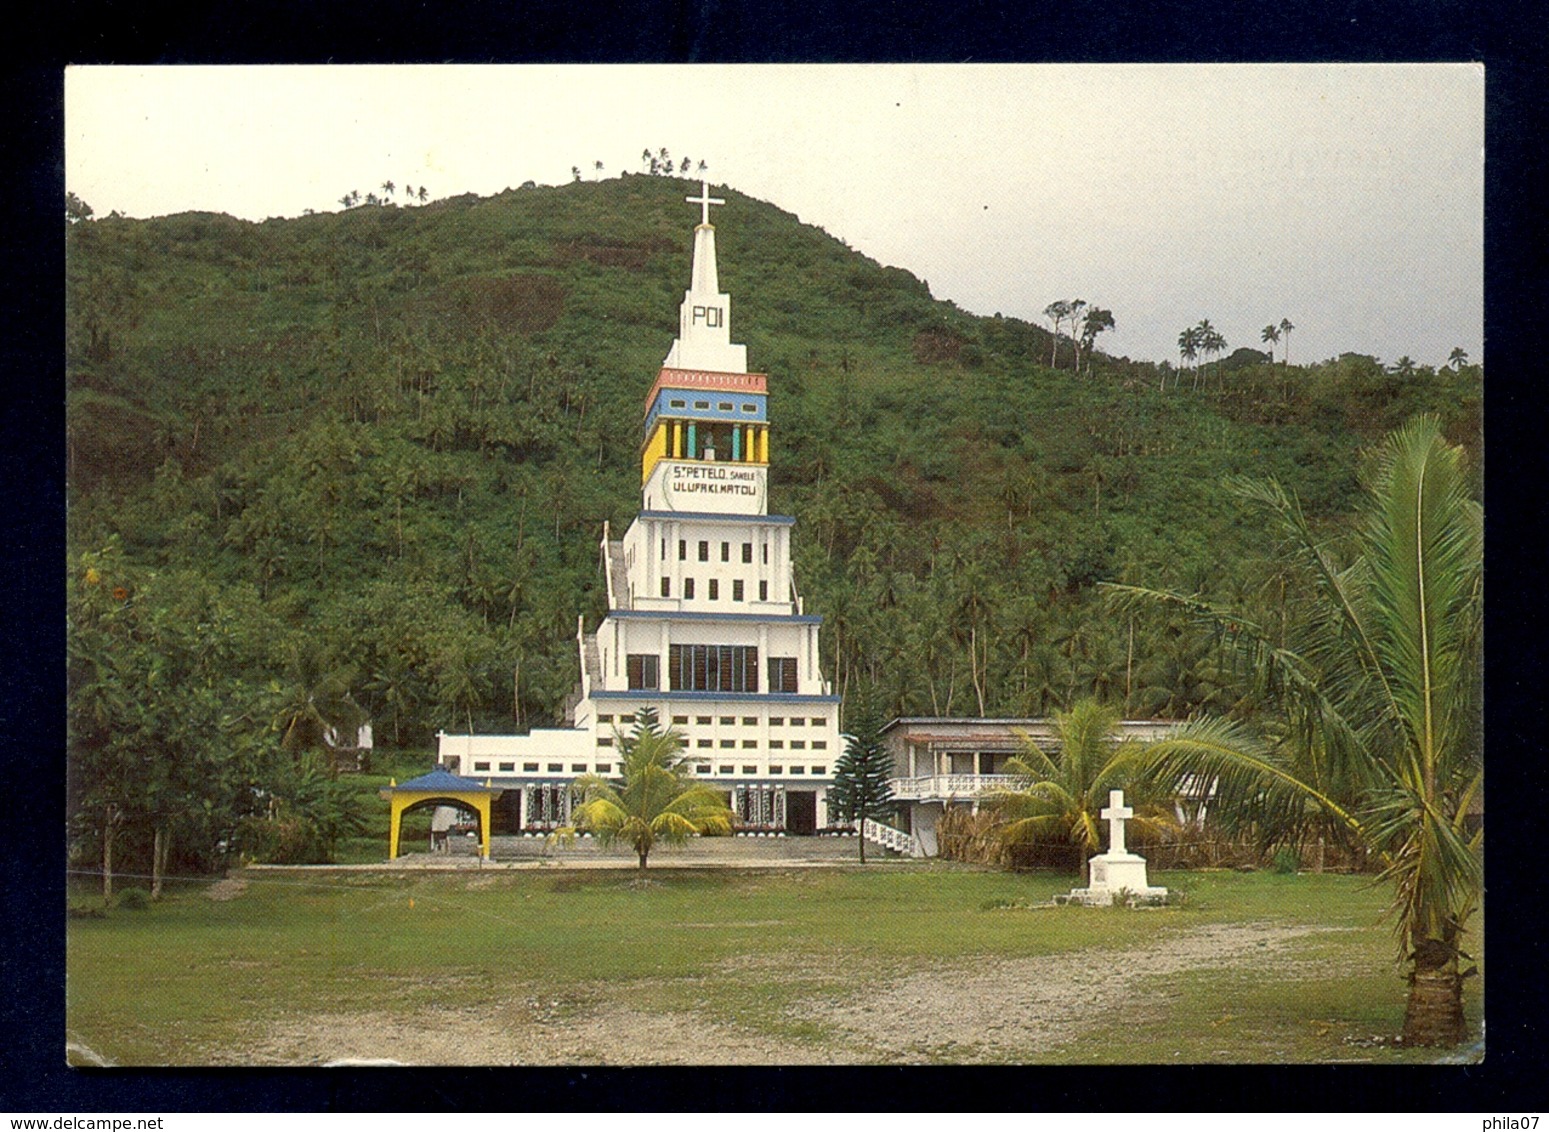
1113, 874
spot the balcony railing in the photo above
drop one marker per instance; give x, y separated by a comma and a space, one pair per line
942, 786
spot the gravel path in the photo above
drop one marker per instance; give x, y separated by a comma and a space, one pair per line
1016, 1009
990, 1010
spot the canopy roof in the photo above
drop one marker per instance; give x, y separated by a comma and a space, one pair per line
441, 781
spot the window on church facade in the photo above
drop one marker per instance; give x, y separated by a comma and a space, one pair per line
713, 668
704, 551
715, 589
644, 671
682, 549
747, 552
763, 591
725, 552
688, 589
736, 589
782, 675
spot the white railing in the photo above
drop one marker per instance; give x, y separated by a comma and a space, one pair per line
954, 785
887, 837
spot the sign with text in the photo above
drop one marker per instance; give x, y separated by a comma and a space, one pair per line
697, 485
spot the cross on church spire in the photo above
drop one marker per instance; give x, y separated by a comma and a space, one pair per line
704, 200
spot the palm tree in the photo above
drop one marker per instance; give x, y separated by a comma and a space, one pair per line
1285, 329
1404, 367
1377, 727
658, 799
423, 194
1067, 791
1205, 338
597, 168
1458, 358
1215, 343
387, 188
315, 708
1188, 349
1270, 334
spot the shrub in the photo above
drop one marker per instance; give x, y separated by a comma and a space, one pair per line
1286, 860
136, 899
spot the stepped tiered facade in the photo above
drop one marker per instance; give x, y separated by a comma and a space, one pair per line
704, 622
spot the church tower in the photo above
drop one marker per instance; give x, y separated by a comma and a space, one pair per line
704, 623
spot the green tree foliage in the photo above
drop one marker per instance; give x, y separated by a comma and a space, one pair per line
658, 798
860, 789
1376, 723
1067, 791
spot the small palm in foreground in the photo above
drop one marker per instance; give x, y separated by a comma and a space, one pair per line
659, 799
1379, 706
1068, 791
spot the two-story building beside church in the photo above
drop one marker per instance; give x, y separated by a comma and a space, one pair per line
704, 623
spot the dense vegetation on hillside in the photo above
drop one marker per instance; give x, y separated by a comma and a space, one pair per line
376, 448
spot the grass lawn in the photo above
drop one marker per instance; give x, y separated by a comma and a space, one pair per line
917, 962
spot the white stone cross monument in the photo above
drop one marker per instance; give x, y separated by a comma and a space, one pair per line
1116, 815
704, 200
1118, 870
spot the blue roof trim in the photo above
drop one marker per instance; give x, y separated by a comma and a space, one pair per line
774, 699
669, 615
716, 517
441, 781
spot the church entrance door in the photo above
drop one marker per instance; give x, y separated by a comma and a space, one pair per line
506, 817
801, 812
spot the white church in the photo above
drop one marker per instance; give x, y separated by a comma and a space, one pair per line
704, 624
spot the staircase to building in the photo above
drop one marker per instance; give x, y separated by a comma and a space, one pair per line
889, 838
593, 659
618, 576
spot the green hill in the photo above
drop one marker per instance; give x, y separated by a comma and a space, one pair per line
382, 443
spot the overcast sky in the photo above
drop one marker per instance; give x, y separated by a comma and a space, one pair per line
1348, 199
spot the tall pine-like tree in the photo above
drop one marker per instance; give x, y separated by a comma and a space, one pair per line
860, 789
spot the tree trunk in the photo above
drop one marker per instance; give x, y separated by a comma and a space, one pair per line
860, 825
643, 853
1434, 1014
158, 849
108, 829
